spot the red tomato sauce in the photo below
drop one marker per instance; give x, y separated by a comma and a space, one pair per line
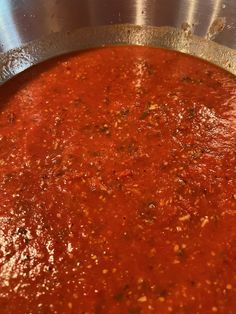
117, 180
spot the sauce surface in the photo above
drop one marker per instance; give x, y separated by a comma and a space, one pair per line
117, 180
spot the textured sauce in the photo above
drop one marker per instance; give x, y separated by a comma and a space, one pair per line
117, 185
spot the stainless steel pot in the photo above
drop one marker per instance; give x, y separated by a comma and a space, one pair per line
35, 30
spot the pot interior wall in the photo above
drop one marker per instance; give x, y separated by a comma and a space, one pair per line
34, 31
19, 59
